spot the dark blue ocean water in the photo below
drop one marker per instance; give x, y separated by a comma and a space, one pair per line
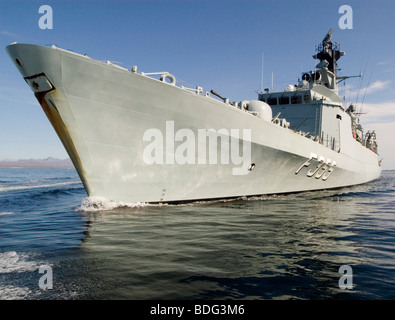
274, 247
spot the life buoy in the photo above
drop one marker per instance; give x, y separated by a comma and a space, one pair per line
354, 134
170, 77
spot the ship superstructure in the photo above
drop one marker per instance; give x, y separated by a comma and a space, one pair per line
313, 106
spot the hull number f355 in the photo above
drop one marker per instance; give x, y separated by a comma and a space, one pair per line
323, 168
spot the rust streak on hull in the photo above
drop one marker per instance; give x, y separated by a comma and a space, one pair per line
57, 123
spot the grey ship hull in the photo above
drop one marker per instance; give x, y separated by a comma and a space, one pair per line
101, 113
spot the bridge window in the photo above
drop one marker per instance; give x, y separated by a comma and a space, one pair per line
296, 99
272, 101
284, 100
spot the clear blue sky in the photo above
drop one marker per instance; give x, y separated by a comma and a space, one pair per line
215, 44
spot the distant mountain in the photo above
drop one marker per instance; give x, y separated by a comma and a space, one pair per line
37, 163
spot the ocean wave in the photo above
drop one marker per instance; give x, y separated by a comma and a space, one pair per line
39, 186
14, 293
12, 261
6, 213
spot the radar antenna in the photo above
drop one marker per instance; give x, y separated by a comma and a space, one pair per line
328, 36
329, 52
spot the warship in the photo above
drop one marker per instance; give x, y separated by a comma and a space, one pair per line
142, 137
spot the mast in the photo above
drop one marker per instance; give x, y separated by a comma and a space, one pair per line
262, 73
329, 52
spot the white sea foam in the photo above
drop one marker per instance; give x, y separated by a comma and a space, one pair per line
12, 261
18, 188
14, 293
17, 262
91, 204
5, 213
